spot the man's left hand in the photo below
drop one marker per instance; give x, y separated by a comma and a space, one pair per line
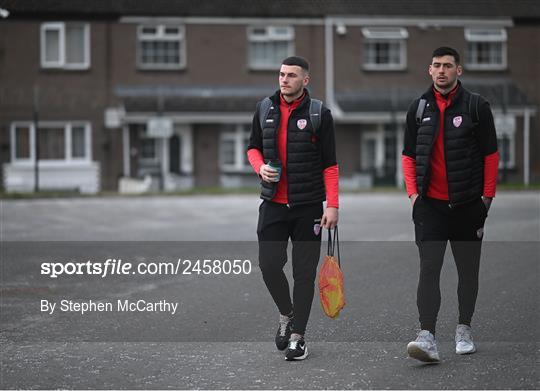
487, 202
330, 218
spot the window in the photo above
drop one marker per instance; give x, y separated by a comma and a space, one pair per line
161, 47
506, 140
65, 45
149, 151
58, 142
269, 45
52, 145
390, 151
385, 48
369, 150
21, 143
505, 144
228, 150
378, 152
78, 141
232, 150
486, 49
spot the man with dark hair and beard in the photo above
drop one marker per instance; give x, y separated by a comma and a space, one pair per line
292, 149
450, 163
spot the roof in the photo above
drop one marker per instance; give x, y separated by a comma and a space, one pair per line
242, 99
526, 9
499, 93
193, 99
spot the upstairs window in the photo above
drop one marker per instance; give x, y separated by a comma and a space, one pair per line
385, 48
486, 49
65, 45
161, 47
269, 45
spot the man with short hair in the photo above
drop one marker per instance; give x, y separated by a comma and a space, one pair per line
450, 164
296, 161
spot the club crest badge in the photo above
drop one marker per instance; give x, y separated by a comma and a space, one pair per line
317, 229
457, 121
301, 123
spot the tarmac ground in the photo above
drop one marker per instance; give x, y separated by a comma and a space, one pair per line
220, 335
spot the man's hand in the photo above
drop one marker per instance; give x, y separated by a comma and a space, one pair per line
330, 218
268, 174
487, 202
413, 198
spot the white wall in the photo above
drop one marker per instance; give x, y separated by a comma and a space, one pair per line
82, 177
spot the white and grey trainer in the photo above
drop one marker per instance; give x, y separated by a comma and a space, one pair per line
424, 348
464, 341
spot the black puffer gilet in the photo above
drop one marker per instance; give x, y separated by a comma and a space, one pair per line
304, 163
464, 160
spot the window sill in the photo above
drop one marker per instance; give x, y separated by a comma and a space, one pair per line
54, 163
269, 68
487, 68
161, 69
64, 70
370, 68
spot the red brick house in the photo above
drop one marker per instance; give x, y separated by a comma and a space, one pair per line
165, 90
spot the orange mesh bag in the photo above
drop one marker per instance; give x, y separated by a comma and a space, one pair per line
331, 288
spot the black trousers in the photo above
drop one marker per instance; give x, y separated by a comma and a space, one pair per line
277, 223
435, 224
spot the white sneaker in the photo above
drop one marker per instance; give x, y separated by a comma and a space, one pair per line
424, 348
464, 341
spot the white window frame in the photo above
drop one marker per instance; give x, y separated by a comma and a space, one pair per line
241, 163
272, 34
67, 142
160, 35
61, 63
487, 35
385, 35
